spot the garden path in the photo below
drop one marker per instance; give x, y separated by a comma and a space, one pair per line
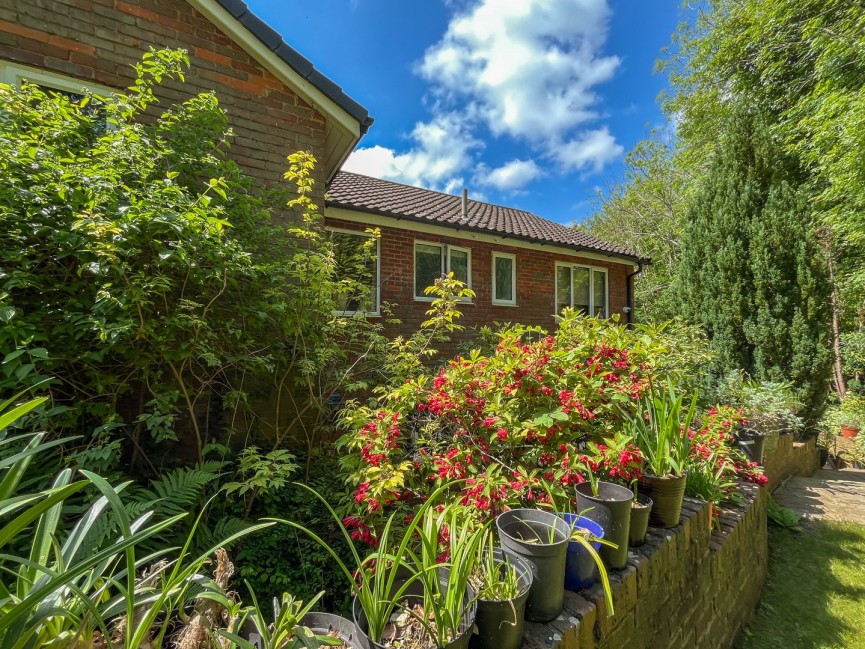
837, 495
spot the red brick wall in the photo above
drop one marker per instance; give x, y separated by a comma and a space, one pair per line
99, 40
535, 280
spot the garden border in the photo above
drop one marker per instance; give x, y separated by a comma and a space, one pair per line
684, 588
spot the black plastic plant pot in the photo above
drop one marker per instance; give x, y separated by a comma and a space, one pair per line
752, 445
501, 623
667, 494
822, 455
581, 571
541, 538
328, 624
611, 509
640, 510
414, 595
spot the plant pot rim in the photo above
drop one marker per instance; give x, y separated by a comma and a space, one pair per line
585, 489
667, 476
645, 504
555, 521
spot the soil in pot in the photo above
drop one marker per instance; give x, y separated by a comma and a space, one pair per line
580, 568
667, 494
334, 626
501, 623
541, 538
611, 509
641, 507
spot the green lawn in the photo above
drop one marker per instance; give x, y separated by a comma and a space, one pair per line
815, 594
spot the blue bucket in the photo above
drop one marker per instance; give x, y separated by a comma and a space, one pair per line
580, 568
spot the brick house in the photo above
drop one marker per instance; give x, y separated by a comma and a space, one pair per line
522, 267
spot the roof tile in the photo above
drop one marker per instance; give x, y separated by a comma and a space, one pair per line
354, 191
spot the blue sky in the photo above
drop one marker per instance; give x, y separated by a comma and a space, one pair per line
528, 103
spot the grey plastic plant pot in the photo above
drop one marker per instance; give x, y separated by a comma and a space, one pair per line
327, 624
527, 533
414, 595
611, 509
667, 494
640, 510
752, 445
501, 624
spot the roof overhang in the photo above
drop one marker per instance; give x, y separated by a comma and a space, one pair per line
375, 218
346, 120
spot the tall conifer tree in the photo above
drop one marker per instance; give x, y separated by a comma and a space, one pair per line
752, 272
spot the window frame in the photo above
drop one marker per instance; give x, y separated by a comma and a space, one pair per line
15, 74
513, 258
366, 314
445, 257
592, 270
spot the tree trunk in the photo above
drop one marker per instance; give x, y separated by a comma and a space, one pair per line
840, 386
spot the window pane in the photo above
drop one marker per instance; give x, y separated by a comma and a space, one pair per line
459, 265
504, 270
581, 289
427, 267
563, 288
356, 261
600, 294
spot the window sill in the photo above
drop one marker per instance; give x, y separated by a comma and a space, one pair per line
355, 314
510, 304
430, 299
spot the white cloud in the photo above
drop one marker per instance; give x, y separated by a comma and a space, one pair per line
442, 149
511, 176
523, 69
589, 151
528, 66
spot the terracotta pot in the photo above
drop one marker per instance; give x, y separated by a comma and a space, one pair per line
849, 431
667, 493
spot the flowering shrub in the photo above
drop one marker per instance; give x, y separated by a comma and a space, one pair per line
512, 426
716, 465
518, 427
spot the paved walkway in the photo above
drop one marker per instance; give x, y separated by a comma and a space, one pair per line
830, 494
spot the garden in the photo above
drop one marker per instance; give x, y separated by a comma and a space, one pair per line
153, 312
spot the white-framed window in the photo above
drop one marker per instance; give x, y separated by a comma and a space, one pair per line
15, 74
433, 260
583, 288
358, 262
504, 279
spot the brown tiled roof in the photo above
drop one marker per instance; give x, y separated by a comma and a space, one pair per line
363, 193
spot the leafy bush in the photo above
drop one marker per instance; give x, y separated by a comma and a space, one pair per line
141, 269
768, 407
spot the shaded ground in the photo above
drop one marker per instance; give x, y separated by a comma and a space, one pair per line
815, 594
829, 495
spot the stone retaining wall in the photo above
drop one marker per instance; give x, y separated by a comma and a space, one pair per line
686, 588
784, 458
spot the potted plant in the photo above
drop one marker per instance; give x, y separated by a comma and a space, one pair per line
609, 505
390, 581
581, 570
502, 581
661, 428
604, 498
540, 537
641, 508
